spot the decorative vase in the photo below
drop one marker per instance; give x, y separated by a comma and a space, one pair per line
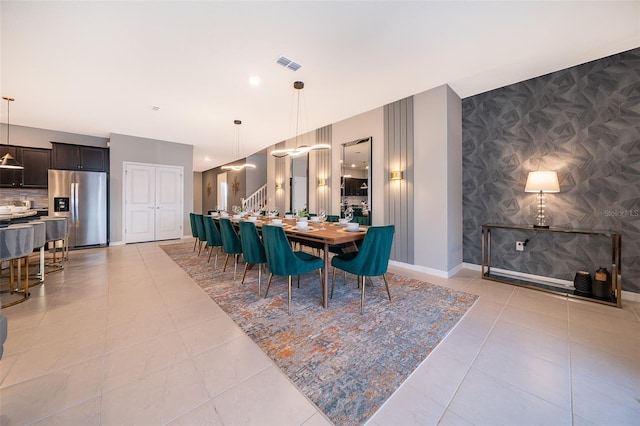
601, 286
582, 282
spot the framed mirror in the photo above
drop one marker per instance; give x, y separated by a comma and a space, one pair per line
355, 180
299, 183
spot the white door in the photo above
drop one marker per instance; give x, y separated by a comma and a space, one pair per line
153, 202
168, 203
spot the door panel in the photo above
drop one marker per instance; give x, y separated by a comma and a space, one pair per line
139, 203
168, 203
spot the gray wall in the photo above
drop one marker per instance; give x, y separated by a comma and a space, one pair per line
148, 151
582, 122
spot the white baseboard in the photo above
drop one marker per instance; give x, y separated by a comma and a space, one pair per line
116, 243
426, 270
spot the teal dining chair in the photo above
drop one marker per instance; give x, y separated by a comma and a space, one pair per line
282, 260
202, 236
231, 244
194, 231
371, 260
214, 239
331, 218
252, 249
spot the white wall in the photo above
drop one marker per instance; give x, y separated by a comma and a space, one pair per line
149, 151
438, 169
370, 123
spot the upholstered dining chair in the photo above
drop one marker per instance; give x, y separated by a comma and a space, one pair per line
231, 244
371, 260
16, 244
214, 239
202, 235
282, 260
252, 249
331, 218
194, 230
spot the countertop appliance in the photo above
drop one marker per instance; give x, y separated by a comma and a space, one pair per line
82, 197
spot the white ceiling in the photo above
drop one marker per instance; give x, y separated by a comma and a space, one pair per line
97, 68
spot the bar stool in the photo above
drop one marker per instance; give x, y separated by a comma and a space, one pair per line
56, 236
39, 241
16, 243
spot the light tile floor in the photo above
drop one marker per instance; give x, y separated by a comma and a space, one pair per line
124, 336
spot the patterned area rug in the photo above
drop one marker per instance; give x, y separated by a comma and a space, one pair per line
348, 364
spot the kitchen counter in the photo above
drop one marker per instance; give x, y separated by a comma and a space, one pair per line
12, 216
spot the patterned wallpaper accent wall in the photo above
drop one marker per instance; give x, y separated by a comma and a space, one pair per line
583, 122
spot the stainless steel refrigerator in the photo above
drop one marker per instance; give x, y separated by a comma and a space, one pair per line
82, 197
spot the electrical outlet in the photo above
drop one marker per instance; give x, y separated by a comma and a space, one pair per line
520, 245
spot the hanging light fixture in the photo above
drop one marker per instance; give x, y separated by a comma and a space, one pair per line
7, 161
303, 149
238, 167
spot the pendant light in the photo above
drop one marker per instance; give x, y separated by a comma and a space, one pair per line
303, 149
7, 161
238, 167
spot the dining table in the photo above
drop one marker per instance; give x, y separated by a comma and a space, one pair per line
317, 233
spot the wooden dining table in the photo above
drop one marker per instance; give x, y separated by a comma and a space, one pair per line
326, 235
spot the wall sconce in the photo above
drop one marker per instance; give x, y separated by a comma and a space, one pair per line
322, 182
278, 185
396, 175
541, 182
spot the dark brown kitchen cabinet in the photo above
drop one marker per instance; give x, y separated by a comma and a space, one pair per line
36, 163
79, 157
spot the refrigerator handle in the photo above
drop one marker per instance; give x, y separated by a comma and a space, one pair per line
74, 202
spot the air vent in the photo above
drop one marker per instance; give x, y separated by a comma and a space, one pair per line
288, 63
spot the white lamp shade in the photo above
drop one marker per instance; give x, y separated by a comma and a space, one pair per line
545, 181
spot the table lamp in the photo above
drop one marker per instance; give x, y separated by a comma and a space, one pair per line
541, 182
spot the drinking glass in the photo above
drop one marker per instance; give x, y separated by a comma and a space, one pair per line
348, 214
323, 216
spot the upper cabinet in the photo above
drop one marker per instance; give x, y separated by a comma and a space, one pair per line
79, 157
36, 163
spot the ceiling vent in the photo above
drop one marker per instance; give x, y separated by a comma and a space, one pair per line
288, 63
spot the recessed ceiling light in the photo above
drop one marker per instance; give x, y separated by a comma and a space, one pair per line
155, 107
254, 80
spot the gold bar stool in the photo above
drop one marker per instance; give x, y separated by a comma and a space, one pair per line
39, 241
56, 236
16, 243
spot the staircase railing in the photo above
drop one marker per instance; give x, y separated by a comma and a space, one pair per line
256, 201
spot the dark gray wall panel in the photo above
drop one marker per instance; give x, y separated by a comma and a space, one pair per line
583, 122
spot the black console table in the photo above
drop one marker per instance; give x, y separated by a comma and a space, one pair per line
616, 266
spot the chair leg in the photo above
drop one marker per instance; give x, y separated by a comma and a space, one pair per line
259, 277
362, 300
289, 303
199, 248
215, 265
195, 243
210, 252
333, 282
235, 266
386, 285
298, 281
268, 285
246, 266
226, 259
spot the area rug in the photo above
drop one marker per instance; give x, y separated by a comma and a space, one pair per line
348, 364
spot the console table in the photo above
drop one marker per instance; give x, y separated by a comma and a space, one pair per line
616, 266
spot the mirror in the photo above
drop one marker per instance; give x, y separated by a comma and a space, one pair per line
299, 178
355, 180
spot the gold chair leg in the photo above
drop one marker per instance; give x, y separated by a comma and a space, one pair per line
362, 300
386, 285
268, 285
226, 259
199, 248
259, 277
215, 265
210, 253
235, 266
195, 243
289, 304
